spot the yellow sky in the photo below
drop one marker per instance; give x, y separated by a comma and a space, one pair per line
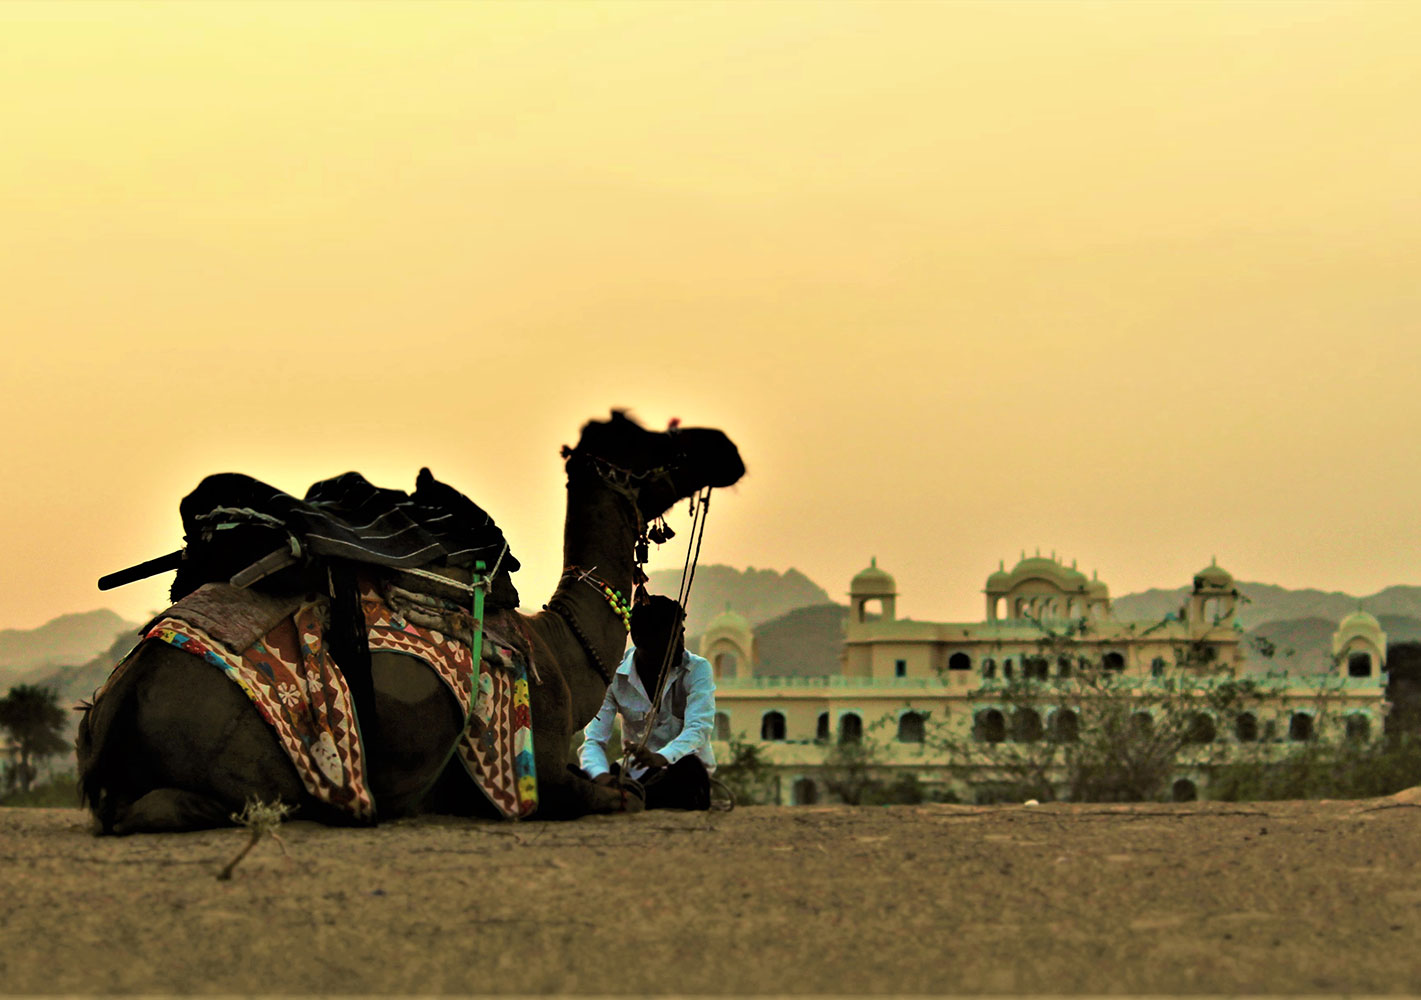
1136, 282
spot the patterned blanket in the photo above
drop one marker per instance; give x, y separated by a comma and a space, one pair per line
300, 691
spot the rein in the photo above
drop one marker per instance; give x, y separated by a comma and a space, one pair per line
628, 485
700, 507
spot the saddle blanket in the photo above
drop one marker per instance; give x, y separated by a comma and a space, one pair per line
300, 691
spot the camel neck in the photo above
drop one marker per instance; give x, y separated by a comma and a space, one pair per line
599, 536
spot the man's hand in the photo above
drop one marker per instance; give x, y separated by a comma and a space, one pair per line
605, 778
645, 757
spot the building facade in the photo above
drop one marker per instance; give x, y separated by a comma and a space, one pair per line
924, 694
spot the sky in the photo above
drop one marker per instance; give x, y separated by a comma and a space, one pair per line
1135, 283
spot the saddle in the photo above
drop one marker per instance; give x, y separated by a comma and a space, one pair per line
256, 560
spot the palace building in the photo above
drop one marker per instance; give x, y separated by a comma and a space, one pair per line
898, 680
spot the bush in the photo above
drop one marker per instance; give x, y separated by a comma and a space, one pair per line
58, 792
747, 773
1323, 772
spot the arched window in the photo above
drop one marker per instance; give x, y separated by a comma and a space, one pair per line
1113, 661
1063, 666
1184, 790
1300, 727
821, 728
989, 726
1065, 726
1359, 728
726, 665
989, 667
1200, 728
803, 792
1246, 728
1359, 665
1142, 726
1035, 668
722, 726
910, 727
772, 726
850, 728
959, 661
1025, 725
1157, 667
1006, 669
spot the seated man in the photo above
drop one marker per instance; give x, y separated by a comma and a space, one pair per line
674, 761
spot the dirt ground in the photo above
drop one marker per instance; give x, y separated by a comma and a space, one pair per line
1292, 897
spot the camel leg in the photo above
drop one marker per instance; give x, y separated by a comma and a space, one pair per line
176, 745
170, 809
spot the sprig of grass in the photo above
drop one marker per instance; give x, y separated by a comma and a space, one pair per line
260, 819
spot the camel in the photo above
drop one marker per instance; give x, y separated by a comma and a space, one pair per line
173, 744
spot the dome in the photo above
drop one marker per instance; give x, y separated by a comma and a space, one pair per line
1068, 579
1359, 619
873, 582
1359, 624
1097, 588
1213, 577
728, 621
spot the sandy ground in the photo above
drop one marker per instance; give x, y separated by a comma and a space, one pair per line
1200, 898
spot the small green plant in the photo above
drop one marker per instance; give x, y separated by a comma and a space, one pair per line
747, 774
260, 819
60, 791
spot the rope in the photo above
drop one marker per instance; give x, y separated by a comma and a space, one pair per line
700, 506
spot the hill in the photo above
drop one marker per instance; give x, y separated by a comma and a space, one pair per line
758, 594
68, 639
804, 643
1267, 602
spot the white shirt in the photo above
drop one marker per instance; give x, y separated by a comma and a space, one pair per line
683, 724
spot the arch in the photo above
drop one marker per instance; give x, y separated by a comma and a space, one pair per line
772, 726
726, 664
1359, 728
1246, 728
989, 726
999, 605
959, 661
989, 667
1065, 726
1157, 667
1007, 669
911, 727
1359, 665
804, 792
1026, 725
1142, 725
1113, 661
1063, 666
722, 726
1300, 728
1035, 668
850, 728
1183, 790
1199, 728
821, 728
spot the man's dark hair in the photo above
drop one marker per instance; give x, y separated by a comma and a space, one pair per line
656, 622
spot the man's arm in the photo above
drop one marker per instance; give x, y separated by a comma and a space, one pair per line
593, 754
700, 712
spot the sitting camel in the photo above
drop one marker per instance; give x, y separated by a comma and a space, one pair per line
173, 744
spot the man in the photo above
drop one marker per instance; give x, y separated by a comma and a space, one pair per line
676, 761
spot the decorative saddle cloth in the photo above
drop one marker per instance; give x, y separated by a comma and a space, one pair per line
287, 672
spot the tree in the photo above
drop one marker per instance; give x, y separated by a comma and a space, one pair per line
34, 719
1094, 732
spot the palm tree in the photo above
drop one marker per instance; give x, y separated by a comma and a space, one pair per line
34, 719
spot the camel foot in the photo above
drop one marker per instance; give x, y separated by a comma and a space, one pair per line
168, 810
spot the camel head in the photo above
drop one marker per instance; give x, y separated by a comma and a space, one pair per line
653, 469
